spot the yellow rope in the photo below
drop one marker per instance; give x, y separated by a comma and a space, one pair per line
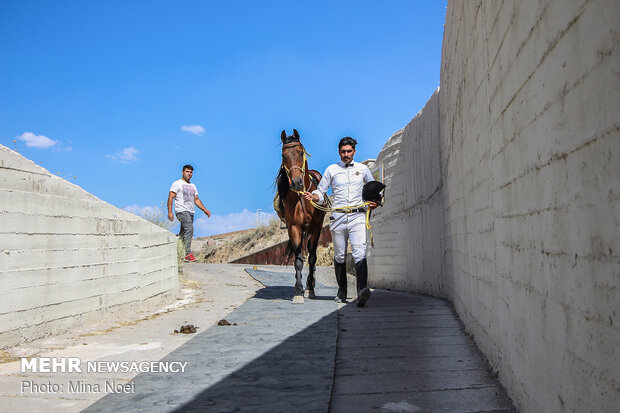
345, 209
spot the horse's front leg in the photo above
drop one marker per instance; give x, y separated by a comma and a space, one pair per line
295, 235
298, 298
310, 282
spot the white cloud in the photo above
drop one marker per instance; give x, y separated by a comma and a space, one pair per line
125, 155
236, 221
36, 141
140, 210
195, 129
128, 154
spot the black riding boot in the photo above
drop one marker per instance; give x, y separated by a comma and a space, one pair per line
363, 292
341, 279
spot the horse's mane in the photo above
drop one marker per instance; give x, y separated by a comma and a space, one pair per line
282, 186
281, 183
290, 139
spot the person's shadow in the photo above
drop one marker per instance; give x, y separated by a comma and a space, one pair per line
281, 292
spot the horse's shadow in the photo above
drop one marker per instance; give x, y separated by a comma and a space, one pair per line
281, 292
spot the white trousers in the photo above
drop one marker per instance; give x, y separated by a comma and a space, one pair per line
349, 227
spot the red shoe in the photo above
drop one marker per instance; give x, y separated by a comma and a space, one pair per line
190, 258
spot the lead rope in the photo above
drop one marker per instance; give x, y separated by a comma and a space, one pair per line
345, 209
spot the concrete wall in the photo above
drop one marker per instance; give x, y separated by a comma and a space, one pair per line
529, 149
408, 229
530, 118
66, 257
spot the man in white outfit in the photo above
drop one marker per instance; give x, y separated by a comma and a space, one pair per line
347, 179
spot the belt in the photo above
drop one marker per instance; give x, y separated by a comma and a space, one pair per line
354, 210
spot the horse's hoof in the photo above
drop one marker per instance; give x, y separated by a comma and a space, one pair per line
298, 299
311, 294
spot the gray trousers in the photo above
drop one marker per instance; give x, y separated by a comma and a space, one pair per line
186, 232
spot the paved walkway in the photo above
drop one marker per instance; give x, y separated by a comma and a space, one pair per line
278, 358
401, 353
409, 353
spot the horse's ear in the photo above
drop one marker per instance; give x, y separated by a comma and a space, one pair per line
283, 136
296, 134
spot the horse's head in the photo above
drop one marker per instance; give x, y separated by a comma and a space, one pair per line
294, 160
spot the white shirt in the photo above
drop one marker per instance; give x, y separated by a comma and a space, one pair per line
184, 200
346, 182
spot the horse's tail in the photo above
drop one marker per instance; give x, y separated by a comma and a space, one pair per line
290, 251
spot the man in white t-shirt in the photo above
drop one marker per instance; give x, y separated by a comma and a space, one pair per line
185, 195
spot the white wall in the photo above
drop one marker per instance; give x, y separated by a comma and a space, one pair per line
530, 141
408, 249
66, 257
529, 188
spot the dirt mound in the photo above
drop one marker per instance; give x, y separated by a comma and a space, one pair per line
221, 250
245, 243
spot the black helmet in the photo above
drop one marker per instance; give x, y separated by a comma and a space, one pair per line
372, 191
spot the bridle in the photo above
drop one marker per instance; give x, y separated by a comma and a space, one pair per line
301, 168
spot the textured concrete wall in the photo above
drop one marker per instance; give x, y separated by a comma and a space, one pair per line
408, 237
66, 257
528, 155
387, 259
530, 118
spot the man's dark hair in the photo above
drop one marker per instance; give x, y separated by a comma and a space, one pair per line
347, 140
191, 168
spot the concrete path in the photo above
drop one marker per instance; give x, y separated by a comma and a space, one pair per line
401, 353
279, 357
409, 353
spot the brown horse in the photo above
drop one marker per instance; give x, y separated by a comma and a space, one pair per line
303, 221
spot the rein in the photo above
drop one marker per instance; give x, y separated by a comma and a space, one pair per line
301, 168
346, 209
300, 193
303, 173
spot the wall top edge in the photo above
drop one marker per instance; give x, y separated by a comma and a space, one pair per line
10, 159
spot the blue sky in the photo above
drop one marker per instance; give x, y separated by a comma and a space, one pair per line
121, 94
